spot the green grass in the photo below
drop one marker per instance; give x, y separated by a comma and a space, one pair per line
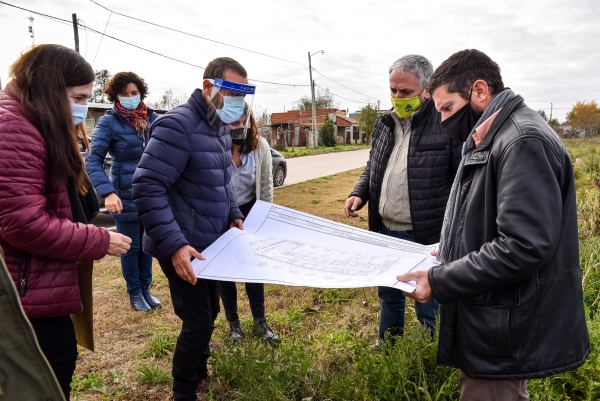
162, 344
153, 374
304, 151
93, 381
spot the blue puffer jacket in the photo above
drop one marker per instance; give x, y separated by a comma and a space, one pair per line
181, 186
114, 135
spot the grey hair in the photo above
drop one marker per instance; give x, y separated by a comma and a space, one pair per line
422, 67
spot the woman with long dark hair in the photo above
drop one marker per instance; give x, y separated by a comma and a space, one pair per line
251, 179
123, 132
40, 167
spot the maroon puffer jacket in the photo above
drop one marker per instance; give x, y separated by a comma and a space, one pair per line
41, 243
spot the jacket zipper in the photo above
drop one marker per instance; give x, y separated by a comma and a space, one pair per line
24, 274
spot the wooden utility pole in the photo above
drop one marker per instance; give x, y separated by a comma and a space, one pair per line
76, 32
314, 111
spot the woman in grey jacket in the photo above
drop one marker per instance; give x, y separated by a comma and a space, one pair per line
251, 179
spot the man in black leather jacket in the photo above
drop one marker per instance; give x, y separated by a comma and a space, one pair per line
510, 281
408, 178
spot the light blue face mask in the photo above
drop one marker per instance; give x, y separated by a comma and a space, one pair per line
130, 103
79, 113
232, 110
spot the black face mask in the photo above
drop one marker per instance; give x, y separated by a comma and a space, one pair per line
459, 125
238, 135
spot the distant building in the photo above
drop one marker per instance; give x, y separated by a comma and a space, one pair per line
294, 127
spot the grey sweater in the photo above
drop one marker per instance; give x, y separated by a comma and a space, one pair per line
394, 206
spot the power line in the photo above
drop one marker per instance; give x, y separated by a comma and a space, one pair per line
347, 87
86, 40
341, 97
100, 44
196, 36
133, 45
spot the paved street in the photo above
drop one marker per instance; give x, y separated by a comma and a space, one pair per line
311, 167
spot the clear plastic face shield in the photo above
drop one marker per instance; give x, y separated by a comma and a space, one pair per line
231, 99
241, 128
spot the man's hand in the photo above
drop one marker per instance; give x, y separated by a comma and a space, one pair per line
423, 292
237, 223
352, 204
183, 265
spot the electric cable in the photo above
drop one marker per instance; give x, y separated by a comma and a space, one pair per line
196, 36
134, 45
100, 44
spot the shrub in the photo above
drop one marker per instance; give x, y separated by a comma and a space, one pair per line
327, 133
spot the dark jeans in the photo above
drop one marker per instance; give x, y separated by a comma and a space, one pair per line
255, 291
393, 301
197, 306
136, 264
56, 336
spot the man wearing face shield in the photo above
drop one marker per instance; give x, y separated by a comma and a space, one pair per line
183, 198
407, 179
509, 279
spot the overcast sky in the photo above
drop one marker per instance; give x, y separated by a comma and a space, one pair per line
548, 50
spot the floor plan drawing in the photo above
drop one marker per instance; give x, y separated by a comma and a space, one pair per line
283, 246
316, 258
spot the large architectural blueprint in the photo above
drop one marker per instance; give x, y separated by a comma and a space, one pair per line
283, 246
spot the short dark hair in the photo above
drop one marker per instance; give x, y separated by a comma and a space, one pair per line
217, 68
120, 81
462, 69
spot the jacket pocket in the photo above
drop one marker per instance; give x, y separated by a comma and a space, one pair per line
485, 336
422, 147
509, 295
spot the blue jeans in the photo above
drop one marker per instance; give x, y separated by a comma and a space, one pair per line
136, 264
393, 301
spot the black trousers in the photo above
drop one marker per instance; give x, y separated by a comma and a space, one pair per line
56, 336
197, 306
256, 296
255, 291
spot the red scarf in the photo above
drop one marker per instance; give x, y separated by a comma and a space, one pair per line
136, 118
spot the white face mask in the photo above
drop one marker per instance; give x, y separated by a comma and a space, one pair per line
130, 103
79, 113
232, 110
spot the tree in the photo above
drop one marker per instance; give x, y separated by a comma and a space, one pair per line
543, 114
323, 100
102, 79
366, 120
585, 117
169, 100
262, 117
327, 133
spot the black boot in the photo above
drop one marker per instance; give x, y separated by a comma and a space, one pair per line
235, 332
262, 330
150, 299
139, 303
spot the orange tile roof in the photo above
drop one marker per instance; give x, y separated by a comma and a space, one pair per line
300, 117
342, 121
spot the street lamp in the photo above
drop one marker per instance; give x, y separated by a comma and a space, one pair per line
312, 90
